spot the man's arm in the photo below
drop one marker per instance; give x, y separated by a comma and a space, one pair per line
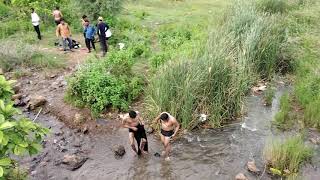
125, 124
176, 125
58, 31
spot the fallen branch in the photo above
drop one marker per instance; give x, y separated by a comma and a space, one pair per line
37, 115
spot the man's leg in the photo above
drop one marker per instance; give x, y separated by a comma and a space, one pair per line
70, 43
167, 147
143, 145
93, 45
37, 29
88, 44
103, 45
64, 43
131, 139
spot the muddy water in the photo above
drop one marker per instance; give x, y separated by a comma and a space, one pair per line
206, 154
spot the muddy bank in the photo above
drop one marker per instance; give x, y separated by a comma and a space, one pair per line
204, 154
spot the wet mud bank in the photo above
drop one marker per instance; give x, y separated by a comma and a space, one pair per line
75, 154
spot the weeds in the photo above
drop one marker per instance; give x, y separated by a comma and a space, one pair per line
268, 95
282, 119
215, 81
287, 155
14, 54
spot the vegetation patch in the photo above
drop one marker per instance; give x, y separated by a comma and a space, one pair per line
103, 83
285, 157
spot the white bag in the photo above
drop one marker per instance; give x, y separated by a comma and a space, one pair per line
108, 33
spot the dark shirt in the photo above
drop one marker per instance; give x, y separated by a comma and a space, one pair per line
102, 28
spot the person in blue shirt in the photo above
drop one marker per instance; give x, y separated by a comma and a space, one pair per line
89, 32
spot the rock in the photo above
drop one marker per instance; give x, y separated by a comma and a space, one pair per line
16, 102
53, 75
118, 150
78, 118
36, 101
287, 171
16, 96
85, 130
33, 173
74, 162
252, 167
16, 88
315, 140
241, 176
58, 133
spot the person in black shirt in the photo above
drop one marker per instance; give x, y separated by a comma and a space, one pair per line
102, 28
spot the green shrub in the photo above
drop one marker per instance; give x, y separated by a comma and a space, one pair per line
4, 11
159, 59
100, 84
282, 119
288, 154
173, 38
19, 136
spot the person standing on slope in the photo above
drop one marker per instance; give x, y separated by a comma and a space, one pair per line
57, 15
35, 19
89, 33
102, 28
64, 31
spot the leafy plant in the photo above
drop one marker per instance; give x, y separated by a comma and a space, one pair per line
282, 119
18, 136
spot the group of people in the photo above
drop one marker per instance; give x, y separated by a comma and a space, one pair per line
63, 30
169, 129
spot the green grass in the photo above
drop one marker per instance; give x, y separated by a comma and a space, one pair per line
18, 53
269, 95
282, 119
215, 79
288, 154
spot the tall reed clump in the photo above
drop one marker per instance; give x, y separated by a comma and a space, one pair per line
215, 82
287, 156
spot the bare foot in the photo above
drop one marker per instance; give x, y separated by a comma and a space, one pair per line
145, 152
167, 159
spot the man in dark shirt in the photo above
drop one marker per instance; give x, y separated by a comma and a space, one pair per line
102, 28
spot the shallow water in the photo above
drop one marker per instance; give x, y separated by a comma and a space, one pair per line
204, 154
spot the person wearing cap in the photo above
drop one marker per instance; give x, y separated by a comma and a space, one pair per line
102, 28
35, 19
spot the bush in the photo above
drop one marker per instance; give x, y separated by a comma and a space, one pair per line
287, 155
100, 84
19, 136
173, 38
159, 59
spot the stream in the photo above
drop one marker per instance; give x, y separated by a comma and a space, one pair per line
203, 154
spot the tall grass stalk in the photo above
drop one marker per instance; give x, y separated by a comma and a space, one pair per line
215, 82
288, 154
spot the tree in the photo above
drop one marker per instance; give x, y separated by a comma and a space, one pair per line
96, 8
18, 135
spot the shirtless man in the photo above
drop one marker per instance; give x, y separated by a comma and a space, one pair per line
169, 128
133, 122
57, 15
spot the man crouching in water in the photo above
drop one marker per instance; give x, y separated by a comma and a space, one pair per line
169, 128
133, 122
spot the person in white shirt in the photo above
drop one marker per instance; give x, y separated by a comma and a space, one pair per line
35, 19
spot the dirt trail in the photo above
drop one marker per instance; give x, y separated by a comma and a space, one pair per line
52, 85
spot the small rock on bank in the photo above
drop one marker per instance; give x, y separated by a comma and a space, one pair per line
241, 176
252, 167
118, 150
36, 101
74, 162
